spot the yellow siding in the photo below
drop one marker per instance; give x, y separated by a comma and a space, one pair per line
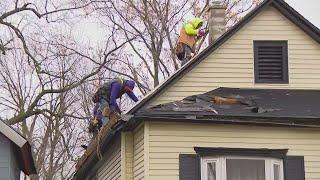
168, 140
138, 153
111, 169
231, 65
127, 156
146, 150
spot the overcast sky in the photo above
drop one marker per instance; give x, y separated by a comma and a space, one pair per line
308, 8
90, 30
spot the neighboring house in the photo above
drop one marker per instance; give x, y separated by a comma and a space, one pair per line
264, 125
15, 154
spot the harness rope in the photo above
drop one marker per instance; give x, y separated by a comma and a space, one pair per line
98, 145
99, 136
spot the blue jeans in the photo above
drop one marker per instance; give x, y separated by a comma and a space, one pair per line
103, 103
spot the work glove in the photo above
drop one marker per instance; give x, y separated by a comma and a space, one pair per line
201, 32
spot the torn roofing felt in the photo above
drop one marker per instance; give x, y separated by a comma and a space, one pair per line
235, 102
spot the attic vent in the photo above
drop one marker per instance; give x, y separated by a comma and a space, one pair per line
271, 61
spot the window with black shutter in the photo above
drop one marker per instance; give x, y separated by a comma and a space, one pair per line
271, 61
189, 167
294, 168
240, 163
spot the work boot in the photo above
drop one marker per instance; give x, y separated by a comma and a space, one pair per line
94, 125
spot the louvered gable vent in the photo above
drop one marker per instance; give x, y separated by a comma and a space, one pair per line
271, 61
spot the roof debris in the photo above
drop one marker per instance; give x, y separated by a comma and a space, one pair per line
244, 103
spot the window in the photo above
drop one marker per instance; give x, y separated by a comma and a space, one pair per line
271, 61
241, 168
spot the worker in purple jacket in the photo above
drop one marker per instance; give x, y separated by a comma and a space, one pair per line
107, 95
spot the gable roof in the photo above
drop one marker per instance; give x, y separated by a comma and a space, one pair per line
237, 105
21, 146
280, 5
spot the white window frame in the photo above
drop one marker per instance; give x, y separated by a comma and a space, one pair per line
221, 166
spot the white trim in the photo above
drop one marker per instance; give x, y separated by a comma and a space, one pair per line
12, 135
278, 162
123, 150
146, 149
154, 90
221, 166
204, 170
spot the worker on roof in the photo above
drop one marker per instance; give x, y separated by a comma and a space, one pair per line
105, 99
189, 34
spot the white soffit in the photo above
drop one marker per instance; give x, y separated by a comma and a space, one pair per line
11, 134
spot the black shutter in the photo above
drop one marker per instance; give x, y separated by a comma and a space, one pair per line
271, 61
294, 168
189, 167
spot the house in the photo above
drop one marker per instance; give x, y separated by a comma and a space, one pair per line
15, 154
246, 107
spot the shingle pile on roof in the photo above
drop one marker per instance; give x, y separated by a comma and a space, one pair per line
245, 103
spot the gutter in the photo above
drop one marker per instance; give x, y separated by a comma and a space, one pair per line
241, 120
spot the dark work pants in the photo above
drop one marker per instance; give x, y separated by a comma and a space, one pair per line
187, 54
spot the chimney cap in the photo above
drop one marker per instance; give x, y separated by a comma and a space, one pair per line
217, 5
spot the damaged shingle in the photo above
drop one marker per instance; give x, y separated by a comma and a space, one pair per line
245, 102
261, 109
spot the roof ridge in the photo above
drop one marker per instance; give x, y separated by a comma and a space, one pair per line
280, 5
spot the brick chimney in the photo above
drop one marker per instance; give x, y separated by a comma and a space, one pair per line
216, 20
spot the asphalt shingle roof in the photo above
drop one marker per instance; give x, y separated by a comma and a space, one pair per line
279, 103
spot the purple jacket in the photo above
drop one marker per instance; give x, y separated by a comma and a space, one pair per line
116, 93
